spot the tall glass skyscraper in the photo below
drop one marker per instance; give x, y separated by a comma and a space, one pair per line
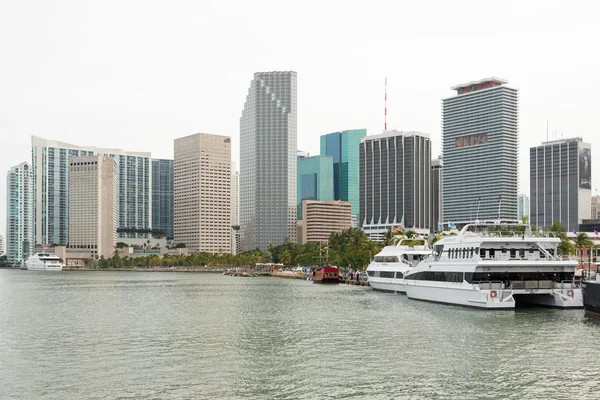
480, 146
268, 145
19, 212
162, 196
344, 148
51, 188
315, 179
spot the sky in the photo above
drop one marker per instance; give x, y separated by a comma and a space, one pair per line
136, 75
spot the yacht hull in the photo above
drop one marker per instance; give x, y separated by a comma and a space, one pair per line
390, 286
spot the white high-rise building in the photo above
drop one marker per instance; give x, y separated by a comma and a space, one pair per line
93, 205
268, 156
51, 189
19, 223
480, 146
522, 206
202, 192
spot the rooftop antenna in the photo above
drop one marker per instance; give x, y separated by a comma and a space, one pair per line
385, 107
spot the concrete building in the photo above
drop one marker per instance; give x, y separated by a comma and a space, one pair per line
315, 180
202, 173
268, 154
480, 146
343, 147
436, 195
162, 196
19, 211
93, 191
560, 183
51, 188
522, 206
395, 182
595, 207
235, 209
322, 218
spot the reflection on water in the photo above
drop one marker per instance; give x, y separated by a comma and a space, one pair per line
177, 335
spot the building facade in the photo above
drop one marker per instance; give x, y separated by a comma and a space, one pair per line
19, 212
2, 246
268, 154
480, 146
315, 180
51, 189
436, 195
560, 183
202, 182
162, 196
322, 218
395, 182
522, 206
344, 148
93, 183
235, 209
595, 207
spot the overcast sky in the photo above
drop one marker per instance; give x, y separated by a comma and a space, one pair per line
137, 74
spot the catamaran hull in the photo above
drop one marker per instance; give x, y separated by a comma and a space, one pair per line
464, 295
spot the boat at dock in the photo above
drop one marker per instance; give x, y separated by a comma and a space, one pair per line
326, 275
496, 266
590, 290
387, 270
44, 261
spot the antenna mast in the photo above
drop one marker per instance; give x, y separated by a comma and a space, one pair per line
385, 108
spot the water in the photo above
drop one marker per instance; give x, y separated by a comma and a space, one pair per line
111, 335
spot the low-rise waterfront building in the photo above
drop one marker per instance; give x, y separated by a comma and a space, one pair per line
322, 218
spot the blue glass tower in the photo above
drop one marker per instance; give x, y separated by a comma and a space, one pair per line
315, 179
343, 147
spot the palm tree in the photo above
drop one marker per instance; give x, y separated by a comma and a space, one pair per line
582, 241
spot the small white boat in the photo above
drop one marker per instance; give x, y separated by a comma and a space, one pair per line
387, 270
44, 262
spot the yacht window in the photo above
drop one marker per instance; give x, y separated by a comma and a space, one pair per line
513, 253
386, 274
371, 273
399, 275
522, 253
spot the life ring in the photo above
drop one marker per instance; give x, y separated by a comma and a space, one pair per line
570, 293
493, 293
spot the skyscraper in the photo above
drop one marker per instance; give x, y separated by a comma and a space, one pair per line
436, 194
202, 192
343, 147
162, 196
19, 211
315, 180
480, 149
51, 189
395, 182
268, 154
93, 205
522, 206
560, 183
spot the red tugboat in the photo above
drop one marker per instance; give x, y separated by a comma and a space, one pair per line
326, 275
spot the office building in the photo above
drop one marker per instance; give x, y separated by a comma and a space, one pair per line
560, 183
51, 189
162, 196
202, 181
480, 149
268, 154
235, 209
93, 182
322, 218
315, 180
395, 182
19, 211
595, 207
343, 147
436, 195
522, 206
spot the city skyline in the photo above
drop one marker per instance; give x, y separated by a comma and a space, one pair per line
155, 93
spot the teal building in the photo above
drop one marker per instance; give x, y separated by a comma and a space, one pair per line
315, 179
343, 147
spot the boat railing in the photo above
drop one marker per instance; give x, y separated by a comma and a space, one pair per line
526, 285
523, 285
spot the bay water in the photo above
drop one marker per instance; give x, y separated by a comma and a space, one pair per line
145, 335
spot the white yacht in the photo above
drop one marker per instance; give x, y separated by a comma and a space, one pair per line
44, 262
496, 266
386, 272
